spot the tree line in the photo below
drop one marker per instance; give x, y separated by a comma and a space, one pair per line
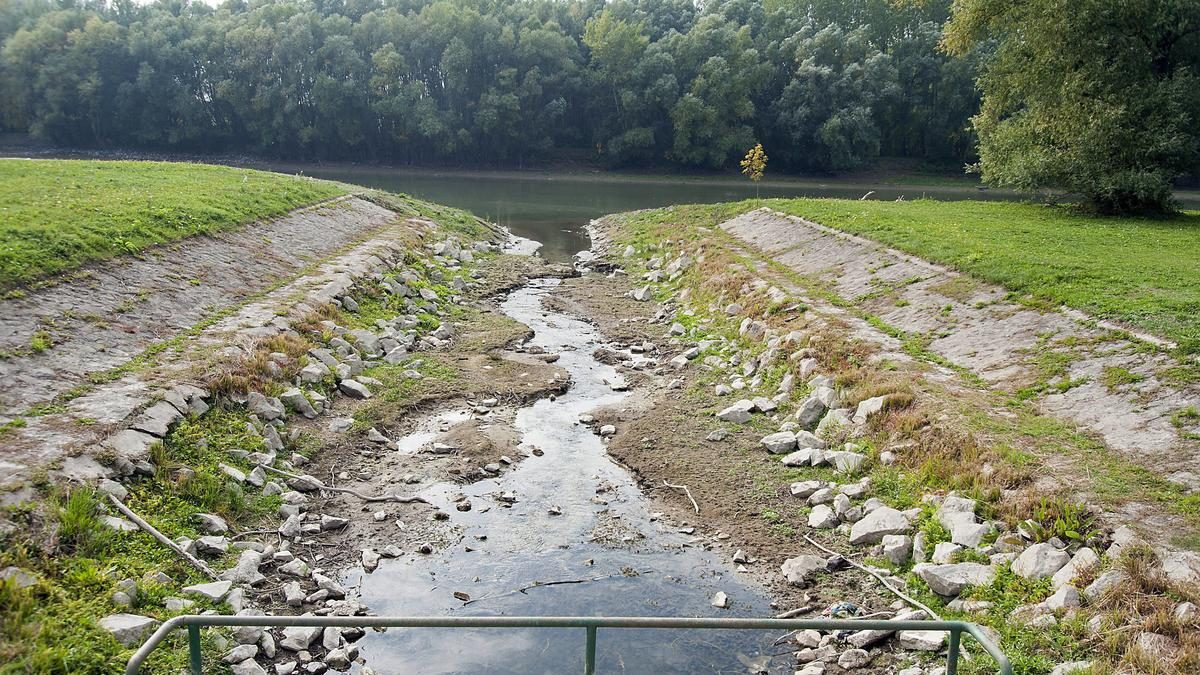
825, 85
1095, 97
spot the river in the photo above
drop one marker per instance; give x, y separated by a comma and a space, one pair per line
580, 521
553, 209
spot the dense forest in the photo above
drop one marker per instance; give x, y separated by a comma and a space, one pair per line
825, 85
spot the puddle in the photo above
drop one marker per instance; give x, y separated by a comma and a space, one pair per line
606, 534
429, 430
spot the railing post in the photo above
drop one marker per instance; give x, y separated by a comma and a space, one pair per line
589, 657
194, 663
952, 654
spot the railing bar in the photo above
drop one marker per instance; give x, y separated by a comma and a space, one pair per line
589, 656
952, 653
193, 623
194, 660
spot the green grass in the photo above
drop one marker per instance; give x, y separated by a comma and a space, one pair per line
57, 215
1140, 272
53, 627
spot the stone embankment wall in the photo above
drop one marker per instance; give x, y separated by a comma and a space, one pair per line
89, 394
977, 326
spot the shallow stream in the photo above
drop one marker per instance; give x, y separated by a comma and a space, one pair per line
634, 564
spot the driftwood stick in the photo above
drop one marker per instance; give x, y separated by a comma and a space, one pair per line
162, 538
689, 494
915, 603
385, 498
792, 613
539, 584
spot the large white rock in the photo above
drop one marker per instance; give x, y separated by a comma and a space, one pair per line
805, 488
1182, 567
804, 457
950, 580
214, 591
738, 412
970, 535
868, 409
897, 548
128, 629
822, 518
802, 569
1104, 583
1083, 560
1040, 561
298, 638
809, 412
922, 640
807, 439
878, 523
779, 443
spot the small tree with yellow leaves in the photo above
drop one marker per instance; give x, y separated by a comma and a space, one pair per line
754, 164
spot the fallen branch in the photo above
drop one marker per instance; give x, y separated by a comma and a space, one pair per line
915, 603
689, 494
162, 539
321, 486
792, 613
539, 584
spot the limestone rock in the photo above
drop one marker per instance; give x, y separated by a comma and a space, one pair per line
807, 439
852, 659
950, 580
1040, 561
129, 629
897, 548
295, 399
1104, 584
211, 523
799, 571
1064, 598
1083, 560
809, 413
354, 389
738, 412
922, 640
298, 638
247, 667
868, 409
157, 419
779, 443
878, 523
214, 591
822, 518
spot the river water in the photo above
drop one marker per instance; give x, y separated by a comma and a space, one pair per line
636, 565
553, 209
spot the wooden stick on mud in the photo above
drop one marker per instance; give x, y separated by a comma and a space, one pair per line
540, 584
162, 538
689, 494
385, 498
915, 603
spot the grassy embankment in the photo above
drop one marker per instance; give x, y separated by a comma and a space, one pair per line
57, 215
1140, 272
60, 537
936, 457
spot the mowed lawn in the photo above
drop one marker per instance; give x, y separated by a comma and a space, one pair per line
1144, 273
56, 215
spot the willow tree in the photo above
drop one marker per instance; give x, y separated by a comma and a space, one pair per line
1095, 97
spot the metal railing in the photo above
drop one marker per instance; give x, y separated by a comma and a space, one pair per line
591, 626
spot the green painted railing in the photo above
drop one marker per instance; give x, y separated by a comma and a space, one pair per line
591, 626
